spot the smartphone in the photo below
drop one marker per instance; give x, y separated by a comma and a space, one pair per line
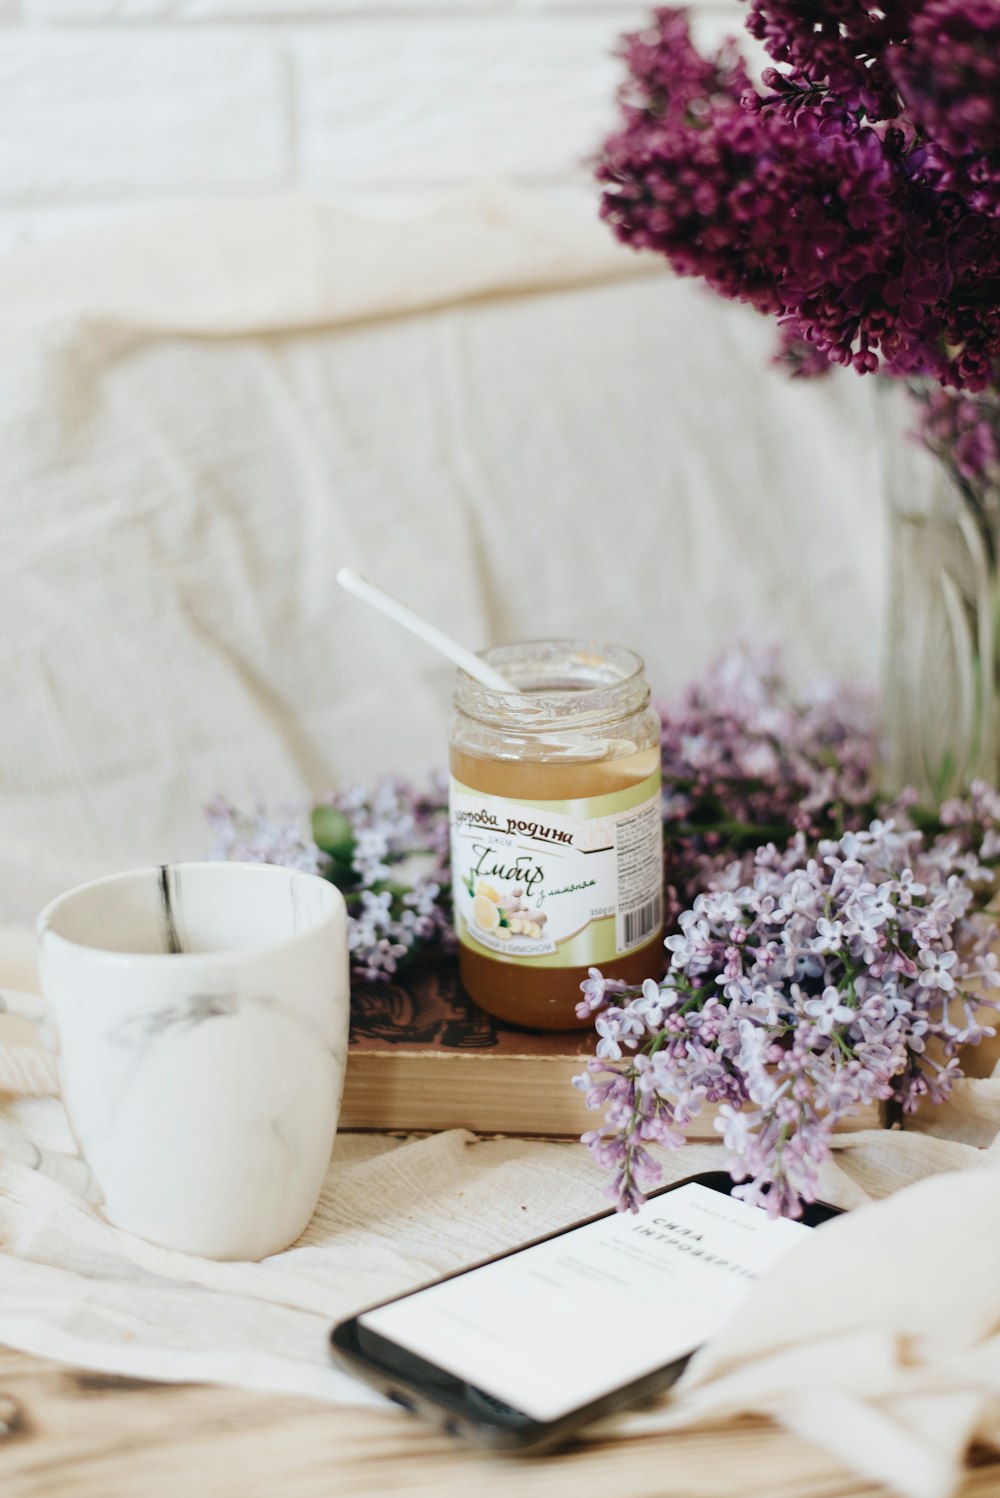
519, 1352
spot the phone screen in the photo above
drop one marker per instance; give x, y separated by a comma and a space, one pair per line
569, 1320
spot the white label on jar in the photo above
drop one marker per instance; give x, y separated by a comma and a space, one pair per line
557, 883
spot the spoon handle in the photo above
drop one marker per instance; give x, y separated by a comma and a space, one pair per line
429, 633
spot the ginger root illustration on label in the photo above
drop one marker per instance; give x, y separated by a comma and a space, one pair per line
505, 916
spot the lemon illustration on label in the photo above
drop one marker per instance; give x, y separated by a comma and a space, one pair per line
485, 913
487, 890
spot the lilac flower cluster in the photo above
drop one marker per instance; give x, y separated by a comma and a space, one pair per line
826, 981
804, 983
746, 761
963, 430
261, 837
854, 194
386, 849
841, 45
970, 825
948, 71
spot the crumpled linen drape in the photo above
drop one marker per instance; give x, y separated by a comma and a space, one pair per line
493, 410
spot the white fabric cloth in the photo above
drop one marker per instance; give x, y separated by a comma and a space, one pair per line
517, 426
879, 1338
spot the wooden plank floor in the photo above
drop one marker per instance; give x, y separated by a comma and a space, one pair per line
65, 1433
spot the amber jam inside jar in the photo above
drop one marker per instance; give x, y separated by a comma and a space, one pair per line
556, 829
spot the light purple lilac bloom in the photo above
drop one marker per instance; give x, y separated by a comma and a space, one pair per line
824, 978
747, 761
394, 875
261, 837
821, 951
744, 761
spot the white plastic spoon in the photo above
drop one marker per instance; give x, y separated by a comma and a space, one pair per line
429, 633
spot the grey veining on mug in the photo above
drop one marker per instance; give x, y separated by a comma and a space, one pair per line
188, 1012
335, 1044
135, 1041
204, 1068
169, 881
279, 1134
305, 907
294, 891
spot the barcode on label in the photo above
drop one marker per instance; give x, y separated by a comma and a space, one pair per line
635, 925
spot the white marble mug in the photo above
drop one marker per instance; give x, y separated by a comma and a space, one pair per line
198, 1013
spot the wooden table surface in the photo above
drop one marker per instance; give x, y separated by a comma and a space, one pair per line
66, 1433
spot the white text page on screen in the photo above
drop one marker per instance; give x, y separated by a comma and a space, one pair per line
555, 1326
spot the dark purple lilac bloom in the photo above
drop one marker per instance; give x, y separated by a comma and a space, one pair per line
836, 45
854, 194
947, 68
964, 431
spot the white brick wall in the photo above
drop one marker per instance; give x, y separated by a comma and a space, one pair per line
86, 11
109, 105
97, 116
515, 96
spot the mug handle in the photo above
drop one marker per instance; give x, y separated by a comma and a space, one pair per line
69, 1170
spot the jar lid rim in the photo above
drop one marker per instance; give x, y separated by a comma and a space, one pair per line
594, 698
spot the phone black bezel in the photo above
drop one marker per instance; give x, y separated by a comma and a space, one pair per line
470, 1413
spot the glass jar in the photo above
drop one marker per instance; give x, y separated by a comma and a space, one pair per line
942, 686
556, 829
